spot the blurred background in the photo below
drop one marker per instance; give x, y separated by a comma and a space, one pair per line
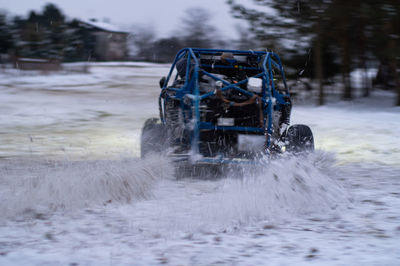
336, 47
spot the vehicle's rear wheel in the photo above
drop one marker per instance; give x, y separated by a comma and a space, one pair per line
299, 138
153, 139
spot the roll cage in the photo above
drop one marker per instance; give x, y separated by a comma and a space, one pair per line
201, 63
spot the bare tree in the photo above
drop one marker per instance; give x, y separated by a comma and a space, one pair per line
141, 41
197, 30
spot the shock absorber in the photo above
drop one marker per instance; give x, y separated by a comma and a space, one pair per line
286, 111
173, 122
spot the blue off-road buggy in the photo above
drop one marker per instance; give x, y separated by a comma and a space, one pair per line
224, 106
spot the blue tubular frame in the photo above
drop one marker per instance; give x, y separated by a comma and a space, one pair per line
190, 91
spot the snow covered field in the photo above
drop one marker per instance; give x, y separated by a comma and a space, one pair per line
73, 191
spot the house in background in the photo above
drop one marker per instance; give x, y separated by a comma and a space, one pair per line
110, 42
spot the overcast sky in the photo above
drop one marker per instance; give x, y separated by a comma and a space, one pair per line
163, 15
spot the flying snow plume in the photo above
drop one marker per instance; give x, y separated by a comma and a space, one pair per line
284, 188
45, 187
276, 191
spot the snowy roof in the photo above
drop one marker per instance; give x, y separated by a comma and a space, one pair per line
103, 26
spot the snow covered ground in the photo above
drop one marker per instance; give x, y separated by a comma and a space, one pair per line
73, 191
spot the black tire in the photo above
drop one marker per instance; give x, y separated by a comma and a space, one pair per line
299, 138
153, 139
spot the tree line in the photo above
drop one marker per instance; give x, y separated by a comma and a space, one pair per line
46, 34
333, 37
49, 34
317, 39
195, 30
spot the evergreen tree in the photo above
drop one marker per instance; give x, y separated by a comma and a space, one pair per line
345, 33
79, 43
291, 28
42, 35
6, 40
